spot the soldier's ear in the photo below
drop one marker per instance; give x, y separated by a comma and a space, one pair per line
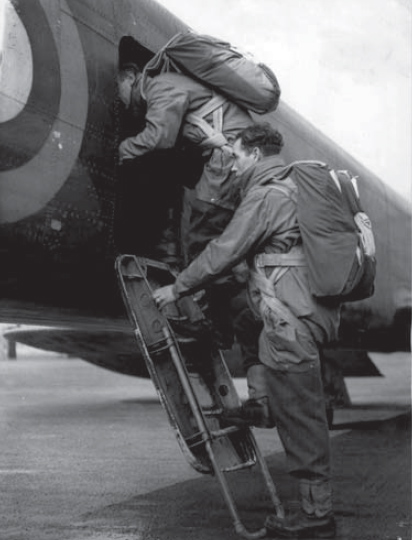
257, 153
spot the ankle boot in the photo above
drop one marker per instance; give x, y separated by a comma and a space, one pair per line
301, 525
256, 410
252, 413
315, 518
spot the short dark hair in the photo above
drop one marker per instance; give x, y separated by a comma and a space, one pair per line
263, 136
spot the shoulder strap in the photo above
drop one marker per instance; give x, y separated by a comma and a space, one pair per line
285, 172
278, 187
214, 133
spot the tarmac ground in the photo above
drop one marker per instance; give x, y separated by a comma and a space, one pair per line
87, 454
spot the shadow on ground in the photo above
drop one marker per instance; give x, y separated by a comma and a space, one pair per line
372, 492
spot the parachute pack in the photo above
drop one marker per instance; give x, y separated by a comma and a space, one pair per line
337, 235
217, 64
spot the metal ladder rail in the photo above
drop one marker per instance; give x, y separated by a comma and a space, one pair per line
208, 436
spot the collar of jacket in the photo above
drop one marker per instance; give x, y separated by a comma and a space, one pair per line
261, 173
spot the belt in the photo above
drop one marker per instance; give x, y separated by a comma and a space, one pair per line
280, 259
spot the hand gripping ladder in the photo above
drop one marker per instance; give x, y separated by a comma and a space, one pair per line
194, 394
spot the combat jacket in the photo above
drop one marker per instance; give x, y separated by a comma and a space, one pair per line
265, 222
170, 97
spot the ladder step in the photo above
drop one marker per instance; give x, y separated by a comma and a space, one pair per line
198, 439
211, 413
133, 276
195, 440
225, 431
158, 347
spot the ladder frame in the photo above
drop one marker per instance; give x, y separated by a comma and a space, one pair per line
206, 436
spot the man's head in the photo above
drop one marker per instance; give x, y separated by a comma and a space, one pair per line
126, 78
133, 57
254, 143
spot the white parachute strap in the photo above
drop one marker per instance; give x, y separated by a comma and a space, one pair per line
218, 119
335, 179
214, 106
352, 179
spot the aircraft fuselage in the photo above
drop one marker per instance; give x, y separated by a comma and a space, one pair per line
59, 131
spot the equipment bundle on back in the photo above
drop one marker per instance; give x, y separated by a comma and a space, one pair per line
337, 235
217, 64
231, 74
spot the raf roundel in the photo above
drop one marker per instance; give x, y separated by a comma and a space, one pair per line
15, 84
43, 104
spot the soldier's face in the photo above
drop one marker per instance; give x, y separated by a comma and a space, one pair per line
243, 158
125, 90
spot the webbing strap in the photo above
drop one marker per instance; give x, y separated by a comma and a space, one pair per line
201, 123
218, 119
280, 259
335, 179
280, 264
215, 137
209, 107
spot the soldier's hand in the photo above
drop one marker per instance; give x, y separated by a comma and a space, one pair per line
121, 153
164, 295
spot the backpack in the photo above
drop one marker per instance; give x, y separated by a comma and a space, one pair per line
237, 76
337, 235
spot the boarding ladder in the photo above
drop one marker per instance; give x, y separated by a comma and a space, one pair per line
194, 394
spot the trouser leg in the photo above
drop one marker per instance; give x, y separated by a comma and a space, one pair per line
219, 298
316, 497
207, 221
256, 411
259, 396
247, 329
297, 405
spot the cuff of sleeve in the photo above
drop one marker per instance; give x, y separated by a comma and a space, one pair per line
179, 289
176, 291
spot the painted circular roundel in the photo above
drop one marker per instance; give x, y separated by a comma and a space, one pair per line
43, 103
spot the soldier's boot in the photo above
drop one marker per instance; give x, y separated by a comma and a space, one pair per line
314, 520
256, 410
